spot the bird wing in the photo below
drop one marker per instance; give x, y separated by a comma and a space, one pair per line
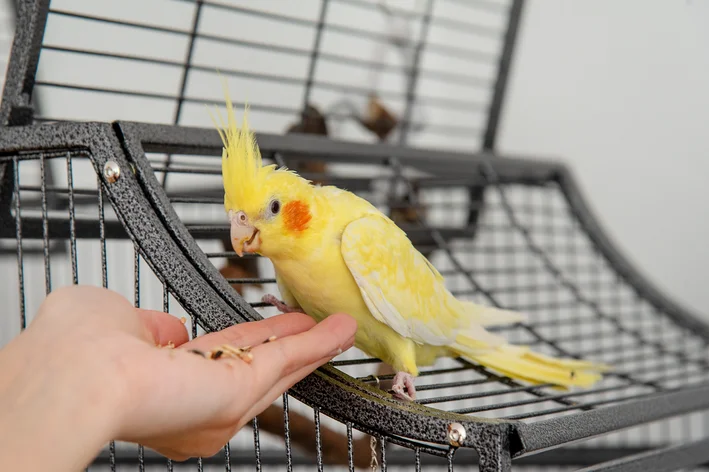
399, 285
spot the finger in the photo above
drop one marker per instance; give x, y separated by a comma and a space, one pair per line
254, 332
216, 384
163, 327
271, 362
226, 389
281, 387
201, 442
325, 340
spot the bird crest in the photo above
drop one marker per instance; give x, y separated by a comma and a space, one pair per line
242, 169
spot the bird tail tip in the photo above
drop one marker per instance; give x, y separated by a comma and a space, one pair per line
519, 362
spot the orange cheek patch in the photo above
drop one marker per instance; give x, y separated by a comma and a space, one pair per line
296, 216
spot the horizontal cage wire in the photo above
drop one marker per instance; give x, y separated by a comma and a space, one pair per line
423, 71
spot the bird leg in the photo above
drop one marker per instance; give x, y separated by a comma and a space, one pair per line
403, 386
282, 307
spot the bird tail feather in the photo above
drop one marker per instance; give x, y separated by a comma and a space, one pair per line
519, 362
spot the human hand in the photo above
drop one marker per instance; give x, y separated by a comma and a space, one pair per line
87, 370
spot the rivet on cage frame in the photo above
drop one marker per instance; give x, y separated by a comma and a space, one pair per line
111, 171
456, 434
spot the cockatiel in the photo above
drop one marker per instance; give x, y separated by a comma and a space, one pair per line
335, 252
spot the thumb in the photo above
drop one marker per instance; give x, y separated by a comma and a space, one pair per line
163, 328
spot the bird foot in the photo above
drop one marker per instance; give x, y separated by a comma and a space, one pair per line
282, 307
403, 387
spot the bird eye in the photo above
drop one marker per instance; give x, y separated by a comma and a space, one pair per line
275, 207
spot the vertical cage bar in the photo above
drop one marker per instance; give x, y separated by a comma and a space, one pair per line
286, 433
414, 73
383, 449
183, 80
417, 459
318, 439
21, 70
165, 299
548, 214
257, 444
503, 71
227, 457
200, 465
104, 283
72, 219
350, 450
187, 66
195, 332
102, 234
136, 302
315, 52
166, 309
18, 239
686, 420
45, 225
136, 276
449, 456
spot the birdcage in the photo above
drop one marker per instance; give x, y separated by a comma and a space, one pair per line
115, 181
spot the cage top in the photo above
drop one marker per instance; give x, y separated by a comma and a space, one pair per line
428, 73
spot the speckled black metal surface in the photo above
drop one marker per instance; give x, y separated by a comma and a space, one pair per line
542, 435
16, 107
666, 459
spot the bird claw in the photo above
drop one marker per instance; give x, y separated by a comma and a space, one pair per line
282, 307
403, 387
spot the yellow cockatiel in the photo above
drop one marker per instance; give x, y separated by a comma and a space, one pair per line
335, 252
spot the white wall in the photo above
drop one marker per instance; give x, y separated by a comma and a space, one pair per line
620, 91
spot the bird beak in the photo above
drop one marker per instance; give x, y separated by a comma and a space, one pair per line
245, 238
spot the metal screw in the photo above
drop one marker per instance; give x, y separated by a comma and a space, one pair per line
111, 171
456, 434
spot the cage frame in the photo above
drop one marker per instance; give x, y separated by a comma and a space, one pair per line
147, 215
165, 243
